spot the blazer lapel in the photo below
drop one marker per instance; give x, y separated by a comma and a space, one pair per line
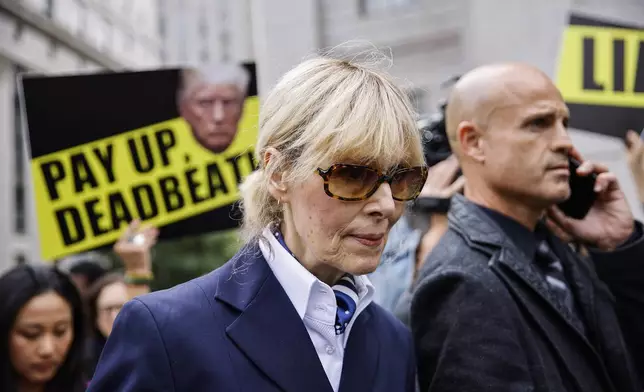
269, 331
573, 355
601, 326
484, 234
528, 273
361, 357
579, 283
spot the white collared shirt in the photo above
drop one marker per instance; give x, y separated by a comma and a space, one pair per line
316, 305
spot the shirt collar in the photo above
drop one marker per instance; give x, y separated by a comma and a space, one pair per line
523, 238
298, 282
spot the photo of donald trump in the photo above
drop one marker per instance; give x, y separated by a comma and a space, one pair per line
211, 100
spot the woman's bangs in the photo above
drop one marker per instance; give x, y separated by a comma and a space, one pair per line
366, 121
380, 138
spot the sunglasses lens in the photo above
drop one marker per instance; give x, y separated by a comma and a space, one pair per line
407, 183
351, 182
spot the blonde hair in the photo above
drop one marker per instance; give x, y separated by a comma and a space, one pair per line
324, 111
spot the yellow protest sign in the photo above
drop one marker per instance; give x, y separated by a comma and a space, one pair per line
601, 74
163, 172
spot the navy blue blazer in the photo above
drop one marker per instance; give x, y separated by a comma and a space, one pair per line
236, 330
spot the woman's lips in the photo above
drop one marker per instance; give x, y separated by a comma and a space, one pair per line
44, 367
370, 240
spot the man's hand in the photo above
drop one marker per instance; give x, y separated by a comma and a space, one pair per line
439, 180
635, 158
134, 247
609, 222
440, 184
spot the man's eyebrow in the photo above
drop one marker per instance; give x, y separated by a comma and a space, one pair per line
537, 114
541, 113
549, 113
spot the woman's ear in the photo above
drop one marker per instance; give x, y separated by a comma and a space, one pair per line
276, 184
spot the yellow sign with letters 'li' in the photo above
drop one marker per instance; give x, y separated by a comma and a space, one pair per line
601, 75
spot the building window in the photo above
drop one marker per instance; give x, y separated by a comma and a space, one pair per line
108, 42
82, 62
224, 38
20, 221
129, 42
182, 41
224, 33
53, 47
203, 28
370, 6
18, 30
20, 213
204, 56
162, 27
81, 14
49, 8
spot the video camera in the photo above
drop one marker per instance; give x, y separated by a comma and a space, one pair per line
434, 136
433, 130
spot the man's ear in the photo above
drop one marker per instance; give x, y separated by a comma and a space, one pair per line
276, 184
470, 138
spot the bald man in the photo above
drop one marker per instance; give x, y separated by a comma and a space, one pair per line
501, 304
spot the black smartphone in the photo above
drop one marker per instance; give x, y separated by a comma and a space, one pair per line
582, 193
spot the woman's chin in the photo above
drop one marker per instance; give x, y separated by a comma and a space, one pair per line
362, 265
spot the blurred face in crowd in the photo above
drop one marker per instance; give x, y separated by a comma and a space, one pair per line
213, 111
108, 304
80, 281
41, 337
518, 144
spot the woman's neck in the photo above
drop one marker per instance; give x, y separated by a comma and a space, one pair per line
26, 386
322, 271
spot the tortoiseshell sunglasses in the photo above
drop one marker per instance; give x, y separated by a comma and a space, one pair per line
356, 182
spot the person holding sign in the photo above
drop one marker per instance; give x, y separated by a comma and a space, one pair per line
339, 156
502, 304
84, 268
211, 100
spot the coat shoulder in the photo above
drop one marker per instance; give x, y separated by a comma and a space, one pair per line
388, 326
454, 255
188, 300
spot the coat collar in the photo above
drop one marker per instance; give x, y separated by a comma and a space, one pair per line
520, 274
272, 335
482, 231
472, 222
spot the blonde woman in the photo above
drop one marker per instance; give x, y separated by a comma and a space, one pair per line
293, 311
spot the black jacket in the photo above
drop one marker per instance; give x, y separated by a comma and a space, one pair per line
484, 319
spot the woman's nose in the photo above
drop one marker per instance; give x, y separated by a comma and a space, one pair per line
46, 346
384, 199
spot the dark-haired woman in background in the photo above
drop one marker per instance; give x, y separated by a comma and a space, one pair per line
105, 297
41, 331
104, 301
